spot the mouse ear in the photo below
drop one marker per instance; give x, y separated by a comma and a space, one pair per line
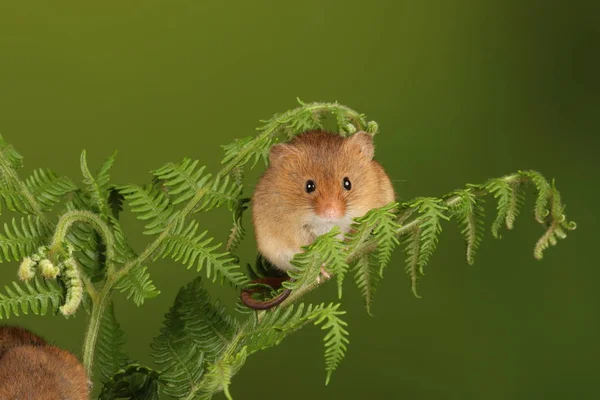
278, 152
364, 142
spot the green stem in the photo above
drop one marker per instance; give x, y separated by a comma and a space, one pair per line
99, 304
69, 218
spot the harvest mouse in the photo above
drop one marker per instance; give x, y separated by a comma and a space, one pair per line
30, 368
315, 182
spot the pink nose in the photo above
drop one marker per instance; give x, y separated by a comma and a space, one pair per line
331, 212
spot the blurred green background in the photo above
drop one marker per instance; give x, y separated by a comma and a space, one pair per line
462, 91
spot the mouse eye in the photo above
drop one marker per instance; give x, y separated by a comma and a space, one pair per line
310, 186
347, 184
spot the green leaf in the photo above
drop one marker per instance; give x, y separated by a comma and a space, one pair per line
367, 275
21, 239
196, 330
218, 375
97, 187
151, 204
39, 296
133, 382
109, 349
470, 214
326, 250
237, 232
137, 284
47, 188
336, 340
191, 248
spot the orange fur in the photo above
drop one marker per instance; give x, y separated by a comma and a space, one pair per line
32, 369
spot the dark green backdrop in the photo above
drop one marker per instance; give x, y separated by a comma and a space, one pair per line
462, 91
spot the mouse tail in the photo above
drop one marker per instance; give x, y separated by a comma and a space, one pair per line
273, 283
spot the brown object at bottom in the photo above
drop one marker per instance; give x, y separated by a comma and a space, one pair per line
30, 369
275, 283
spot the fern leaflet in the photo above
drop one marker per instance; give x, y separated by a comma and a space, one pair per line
195, 249
470, 215
133, 382
151, 204
137, 284
38, 295
109, 348
22, 239
47, 188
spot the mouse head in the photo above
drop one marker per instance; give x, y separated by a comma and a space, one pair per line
325, 176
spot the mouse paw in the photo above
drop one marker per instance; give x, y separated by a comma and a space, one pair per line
324, 275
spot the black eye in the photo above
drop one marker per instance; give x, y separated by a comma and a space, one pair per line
310, 186
347, 184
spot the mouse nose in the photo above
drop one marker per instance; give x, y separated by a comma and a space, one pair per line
332, 209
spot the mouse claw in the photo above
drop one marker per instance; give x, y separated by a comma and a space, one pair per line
323, 275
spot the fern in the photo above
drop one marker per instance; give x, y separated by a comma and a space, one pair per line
85, 255
137, 284
97, 187
367, 274
218, 375
335, 340
22, 239
36, 295
151, 204
327, 251
470, 214
237, 232
196, 330
192, 248
185, 180
133, 382
111, 340
47, 188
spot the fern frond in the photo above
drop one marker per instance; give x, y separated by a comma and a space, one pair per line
502, 190
470, 215
241, 151
326, 250
517, 197
431, 211
183, 179
195, 330
9, 157
133, 382
47, 188
367, 275
22, 239
198, 320
115, 201
191, 248
336, 340
237, 232
221, 191
14, 200
275, 326
137, 284
557, 227
39, 296
97, 187
218, 375
109, 349
151, 204
544, 193
413, 253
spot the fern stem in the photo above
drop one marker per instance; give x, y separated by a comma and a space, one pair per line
99, 304
69, 218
